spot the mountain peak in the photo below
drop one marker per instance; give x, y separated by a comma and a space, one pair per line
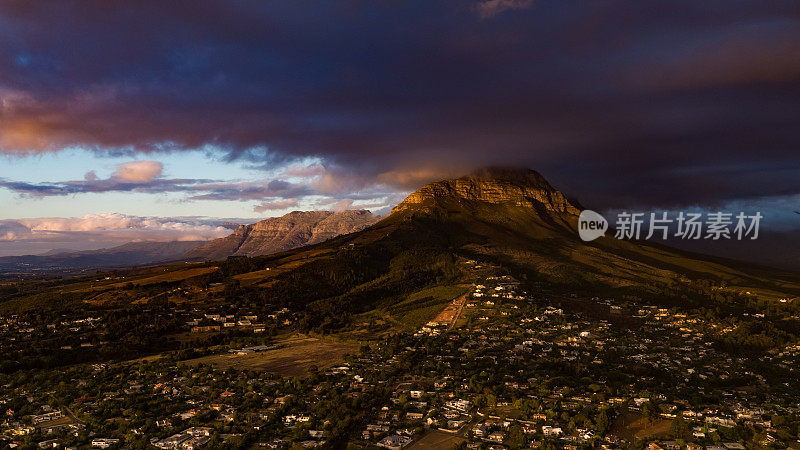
496, 185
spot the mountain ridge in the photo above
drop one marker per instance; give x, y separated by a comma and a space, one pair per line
276, 234
495, 185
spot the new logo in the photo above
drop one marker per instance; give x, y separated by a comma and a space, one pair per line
591, 225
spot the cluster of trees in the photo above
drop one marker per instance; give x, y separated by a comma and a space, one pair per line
326, 292
121, 333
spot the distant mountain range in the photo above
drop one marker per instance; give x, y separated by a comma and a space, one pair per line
271, 235
126, 255
278, 234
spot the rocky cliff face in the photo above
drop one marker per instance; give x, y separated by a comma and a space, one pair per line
525, 188
278, 234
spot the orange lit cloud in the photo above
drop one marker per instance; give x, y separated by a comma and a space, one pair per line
276, 205
138, 171
112, 227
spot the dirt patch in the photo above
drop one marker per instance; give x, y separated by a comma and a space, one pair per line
632, 426
436, 440
291, 357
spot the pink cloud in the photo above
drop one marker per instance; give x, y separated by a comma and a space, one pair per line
138, 171
275, 205
109, 227
342, 205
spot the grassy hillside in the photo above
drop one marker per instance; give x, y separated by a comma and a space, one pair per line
406, 267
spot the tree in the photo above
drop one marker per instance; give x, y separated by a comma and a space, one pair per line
602, 423
649, 410
516, 437
679, 429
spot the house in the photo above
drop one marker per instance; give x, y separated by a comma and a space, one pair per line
104, 442
46, 417
394, 442
189, 439
455, 424
497, 436
452, 415
459, 405
187, 415
733, 446
724, 421
195, 442
549, 431
21, 430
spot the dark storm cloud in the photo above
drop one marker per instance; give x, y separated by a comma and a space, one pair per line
62, 188
620, 103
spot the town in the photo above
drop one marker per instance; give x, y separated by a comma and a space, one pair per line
499, 367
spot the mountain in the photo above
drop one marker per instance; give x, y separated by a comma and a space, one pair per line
501, 186
517, 218
403, 268
295, 229
511, 219
130, 254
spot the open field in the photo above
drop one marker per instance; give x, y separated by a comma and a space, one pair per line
635, 426
166, 276
294, 356
451, 314
282, 265
436, 440
422, 306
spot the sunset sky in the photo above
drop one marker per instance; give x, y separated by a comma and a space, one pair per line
161, 120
